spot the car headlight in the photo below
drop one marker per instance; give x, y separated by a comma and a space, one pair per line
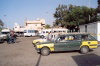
34, 41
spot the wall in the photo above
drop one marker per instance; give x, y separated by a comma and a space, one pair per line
92, 28
98, 30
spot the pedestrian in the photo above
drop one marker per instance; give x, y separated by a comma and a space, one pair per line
13, 37
48, 36
8, 39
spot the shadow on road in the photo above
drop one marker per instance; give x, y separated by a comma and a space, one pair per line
65, 52
87, 60
38, 61
18, 41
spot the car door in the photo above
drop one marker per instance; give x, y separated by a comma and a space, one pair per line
60, 45
74, 42
73, 45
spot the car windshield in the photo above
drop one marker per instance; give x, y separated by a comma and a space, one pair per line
5, 32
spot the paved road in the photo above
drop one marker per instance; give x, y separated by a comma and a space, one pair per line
23, 53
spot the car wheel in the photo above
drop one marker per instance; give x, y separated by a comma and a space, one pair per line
45, 51
42, 36
84, 49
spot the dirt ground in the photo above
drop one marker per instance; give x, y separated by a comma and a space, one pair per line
23, 53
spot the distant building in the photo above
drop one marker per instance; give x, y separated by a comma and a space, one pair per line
92, 28
30, 24
35, 24
18, 28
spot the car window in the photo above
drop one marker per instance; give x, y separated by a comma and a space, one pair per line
91, 37
88, 37
61, 39
73, 37
43, 31
68, 38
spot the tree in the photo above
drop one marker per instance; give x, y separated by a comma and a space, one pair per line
47, 26
98, 9
73, 16
1, 24
60, 15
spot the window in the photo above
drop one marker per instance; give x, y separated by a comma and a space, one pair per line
25, 31
61, 39
67, 38
43, 31
46, 31
71, 38
30, 31
54, 31
88, 37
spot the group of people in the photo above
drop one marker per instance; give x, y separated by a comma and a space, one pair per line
11, 37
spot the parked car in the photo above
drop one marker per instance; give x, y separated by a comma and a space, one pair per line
45, 32
45, 39
40, 40
4, 33
2, 37
68, 42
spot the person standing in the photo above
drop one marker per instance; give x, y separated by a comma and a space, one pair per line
13, 37
8, 39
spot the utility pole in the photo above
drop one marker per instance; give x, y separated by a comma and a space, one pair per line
88, 17
89, 14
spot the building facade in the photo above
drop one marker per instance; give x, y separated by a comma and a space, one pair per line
35, 24
18, 28
30, 25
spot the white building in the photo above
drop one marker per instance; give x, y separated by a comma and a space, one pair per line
92, 28
18, 28
30, 25
35, 24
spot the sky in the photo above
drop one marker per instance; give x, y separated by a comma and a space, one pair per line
17, 11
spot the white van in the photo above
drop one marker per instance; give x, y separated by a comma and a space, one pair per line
45, 32
4, 33
29, 33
